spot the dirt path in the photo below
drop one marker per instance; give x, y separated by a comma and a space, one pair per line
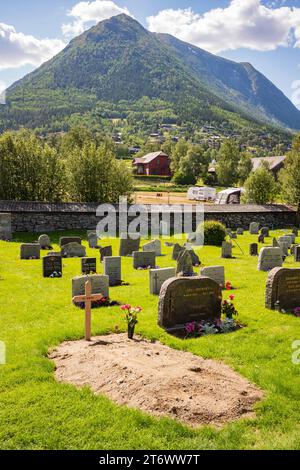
157, 379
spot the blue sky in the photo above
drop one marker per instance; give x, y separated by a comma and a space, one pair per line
263, 32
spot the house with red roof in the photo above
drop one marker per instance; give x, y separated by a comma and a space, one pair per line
156, 163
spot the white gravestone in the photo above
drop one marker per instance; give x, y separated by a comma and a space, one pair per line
158, 277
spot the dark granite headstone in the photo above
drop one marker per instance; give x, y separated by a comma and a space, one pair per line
253, 249
129, 245
265, 231
184, 264
88, 265
144, 259
261, 238
183, 300
295, 231
105, 252
52, 266
66, 240
283, 288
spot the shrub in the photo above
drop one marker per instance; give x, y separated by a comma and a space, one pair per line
214, 232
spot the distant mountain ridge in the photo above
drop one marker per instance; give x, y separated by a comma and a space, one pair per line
118, 59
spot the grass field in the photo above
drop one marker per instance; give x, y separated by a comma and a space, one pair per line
36, 412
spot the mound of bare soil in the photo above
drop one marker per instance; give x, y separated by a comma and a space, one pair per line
157, 379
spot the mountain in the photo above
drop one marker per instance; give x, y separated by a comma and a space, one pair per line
108, 70
238, 83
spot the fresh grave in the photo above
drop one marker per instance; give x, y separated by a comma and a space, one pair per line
157, 379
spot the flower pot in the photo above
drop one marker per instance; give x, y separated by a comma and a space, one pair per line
131, 331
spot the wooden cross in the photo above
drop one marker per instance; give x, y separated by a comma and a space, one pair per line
87, 299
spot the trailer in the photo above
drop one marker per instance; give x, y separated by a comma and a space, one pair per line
230, 196
201, 194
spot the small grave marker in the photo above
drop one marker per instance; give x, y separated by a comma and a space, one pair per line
87, 299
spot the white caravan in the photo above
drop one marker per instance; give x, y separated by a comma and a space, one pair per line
201, 194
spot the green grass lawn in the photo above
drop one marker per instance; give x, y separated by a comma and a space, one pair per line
36, 412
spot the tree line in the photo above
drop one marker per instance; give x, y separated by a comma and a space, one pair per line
77, 167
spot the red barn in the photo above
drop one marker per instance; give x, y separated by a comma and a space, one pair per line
156, 163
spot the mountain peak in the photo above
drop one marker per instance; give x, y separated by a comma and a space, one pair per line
119, 60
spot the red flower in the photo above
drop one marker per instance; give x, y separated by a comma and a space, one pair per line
231, 297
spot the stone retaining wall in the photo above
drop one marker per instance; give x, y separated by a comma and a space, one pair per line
42, 217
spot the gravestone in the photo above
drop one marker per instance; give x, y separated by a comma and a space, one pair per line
52, 266
185, 300
112, 269
30, 251
269, 258
88, 265
154, 245
240, 231
129, 245
196, 238
297, 254
253, 249
265, 231
158, 277
66, 240
285, 239
73, 250
292, 249
177, 250
194, 257
5, 226
184, 264
100, 285
216, 273
44, 242
275, 243
144, 259
105, 252
226, 250
92, 240
284, 246
295, 231
261, 238
164, 229
283, 289
254, 228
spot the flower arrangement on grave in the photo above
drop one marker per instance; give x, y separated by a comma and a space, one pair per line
228, 286
56, 274
146, 268
218, 326
228, 308
131, 318
104, 302
297, 312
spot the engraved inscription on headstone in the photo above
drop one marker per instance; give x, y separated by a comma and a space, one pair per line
184, 300
269, 258
52, 266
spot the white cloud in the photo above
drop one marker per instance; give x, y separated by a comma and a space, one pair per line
242, 24
18, 49
85, 14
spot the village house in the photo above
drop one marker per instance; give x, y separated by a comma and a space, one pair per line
156, 163
275, 163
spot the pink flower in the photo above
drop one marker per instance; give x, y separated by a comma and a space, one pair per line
126, 307
231, 297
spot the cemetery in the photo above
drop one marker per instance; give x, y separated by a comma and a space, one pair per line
151, 357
